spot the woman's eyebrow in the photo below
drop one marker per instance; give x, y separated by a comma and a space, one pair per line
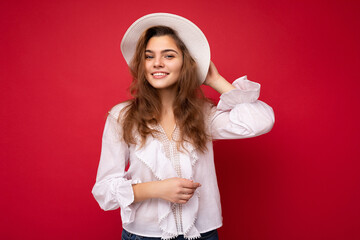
169, 50
163, 51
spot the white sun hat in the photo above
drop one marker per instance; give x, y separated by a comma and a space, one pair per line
188, 32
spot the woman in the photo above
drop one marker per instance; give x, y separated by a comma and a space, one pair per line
165, 133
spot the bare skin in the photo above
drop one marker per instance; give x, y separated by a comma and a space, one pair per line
176, 190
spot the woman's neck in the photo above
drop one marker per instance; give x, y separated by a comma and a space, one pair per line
167, 97
167, 118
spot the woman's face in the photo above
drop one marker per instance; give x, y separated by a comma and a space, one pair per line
163, 62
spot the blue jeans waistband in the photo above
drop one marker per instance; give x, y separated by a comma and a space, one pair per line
211, 235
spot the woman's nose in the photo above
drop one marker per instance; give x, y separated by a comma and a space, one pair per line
158, 62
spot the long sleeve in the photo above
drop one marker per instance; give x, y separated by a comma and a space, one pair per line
239, 114
113, 189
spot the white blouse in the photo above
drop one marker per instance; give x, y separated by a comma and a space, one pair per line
238, 115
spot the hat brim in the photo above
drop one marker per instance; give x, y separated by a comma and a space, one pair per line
188, 32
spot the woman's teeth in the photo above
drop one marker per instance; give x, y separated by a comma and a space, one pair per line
159, 74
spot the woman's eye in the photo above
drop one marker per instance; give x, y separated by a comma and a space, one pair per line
148, 57
169, 56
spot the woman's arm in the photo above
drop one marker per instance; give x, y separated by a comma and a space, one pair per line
239, 113
112, 188
176, 190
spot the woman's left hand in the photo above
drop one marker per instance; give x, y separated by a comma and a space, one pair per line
212, 75
216, 81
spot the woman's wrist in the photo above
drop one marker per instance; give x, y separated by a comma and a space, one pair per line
220, 84
144, 191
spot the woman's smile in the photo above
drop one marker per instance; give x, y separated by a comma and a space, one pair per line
159, 75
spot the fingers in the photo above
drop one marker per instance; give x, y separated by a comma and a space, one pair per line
212, 68
178, 190
187, 191
184, 198
181, 201
190, 184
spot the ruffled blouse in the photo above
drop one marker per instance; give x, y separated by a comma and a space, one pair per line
238, 115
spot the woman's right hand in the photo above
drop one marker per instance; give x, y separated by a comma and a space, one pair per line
177, 190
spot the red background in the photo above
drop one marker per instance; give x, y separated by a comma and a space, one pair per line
61, 70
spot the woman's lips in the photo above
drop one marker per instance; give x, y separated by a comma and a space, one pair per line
158, 75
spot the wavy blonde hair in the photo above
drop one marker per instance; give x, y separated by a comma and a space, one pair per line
145, 107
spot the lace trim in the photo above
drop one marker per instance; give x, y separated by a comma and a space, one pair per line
162, 221
189, 147
191, 232
172, 154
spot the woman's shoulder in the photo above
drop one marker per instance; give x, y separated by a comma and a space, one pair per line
116, 110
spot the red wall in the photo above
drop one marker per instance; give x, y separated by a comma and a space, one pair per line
61, 70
